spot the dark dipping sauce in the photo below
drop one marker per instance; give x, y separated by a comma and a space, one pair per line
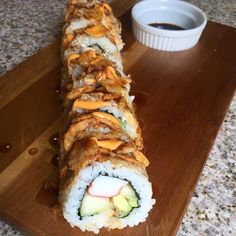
166, 26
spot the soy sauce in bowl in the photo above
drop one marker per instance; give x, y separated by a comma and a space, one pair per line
166, 26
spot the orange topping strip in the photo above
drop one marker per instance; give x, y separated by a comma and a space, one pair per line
68, 39
106, 116
111, 144
89, 105
107, 7
74, 93
141, 158
99, 31
109, 76
87, 58
96, 31
89, 54
72, 57
111, 73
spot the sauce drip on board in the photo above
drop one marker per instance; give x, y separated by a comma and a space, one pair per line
47, 195
5, 147
53, 140
33, 151
55, 160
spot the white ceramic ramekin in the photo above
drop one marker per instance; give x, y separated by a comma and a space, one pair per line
180, 13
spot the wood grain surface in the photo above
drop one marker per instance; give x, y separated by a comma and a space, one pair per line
181, 101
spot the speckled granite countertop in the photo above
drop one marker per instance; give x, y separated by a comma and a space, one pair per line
27, 26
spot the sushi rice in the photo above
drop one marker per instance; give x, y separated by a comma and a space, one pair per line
71, 197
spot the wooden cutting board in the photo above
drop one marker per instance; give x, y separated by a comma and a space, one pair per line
181, 99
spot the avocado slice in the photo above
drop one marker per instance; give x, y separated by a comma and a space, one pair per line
91, 205
121, 205
133, 202
128, 192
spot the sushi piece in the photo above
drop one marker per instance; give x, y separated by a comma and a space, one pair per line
103, 178
92, 69
90, 14
96, 124
94, 27
116, 106
101, 189
101, 45
95, 21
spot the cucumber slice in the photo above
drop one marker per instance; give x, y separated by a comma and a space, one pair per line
91, 205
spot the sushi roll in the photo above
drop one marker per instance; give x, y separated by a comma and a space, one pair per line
103, 177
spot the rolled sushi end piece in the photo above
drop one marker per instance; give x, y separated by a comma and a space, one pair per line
109, 194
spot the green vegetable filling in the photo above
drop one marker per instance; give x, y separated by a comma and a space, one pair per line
122, 204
